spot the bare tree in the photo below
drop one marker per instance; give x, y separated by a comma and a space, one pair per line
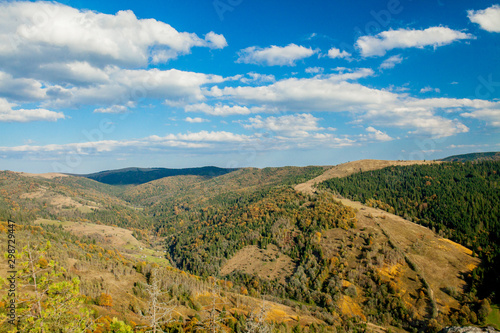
159, 311
213, 317
256, 321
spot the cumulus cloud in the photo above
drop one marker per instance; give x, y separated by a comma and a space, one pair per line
223, 110
336, 53
379, 44
257, 78
391, 62
195, 120
8, 114
329, 93
417, 120
490, 115
429, 89
78, 73
62, 57
488, 19
21, 89
274, 55
215, 41
126, 86
113, 109
377, 135
314, 70
291, 125
377, 107
34, 33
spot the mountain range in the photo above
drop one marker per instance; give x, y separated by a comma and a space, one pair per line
361, 246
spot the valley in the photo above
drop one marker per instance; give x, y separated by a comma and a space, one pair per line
273, 248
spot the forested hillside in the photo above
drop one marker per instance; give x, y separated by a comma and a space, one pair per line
135, 176
460, 201
245, 252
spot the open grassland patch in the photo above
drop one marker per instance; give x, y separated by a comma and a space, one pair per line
115, 237
266, 263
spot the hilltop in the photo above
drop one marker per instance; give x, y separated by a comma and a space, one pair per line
135, 176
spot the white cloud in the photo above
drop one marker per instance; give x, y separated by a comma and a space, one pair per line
112, 109
21, 89
377, 135
391, 62
222, 110
274, 55
257, 78
126, 86
220, 141
379, 44
195, 120
76, 73
466, 146
8, 114
34, 33
291, 125
62, 57
428, 89
215, 41
328, 93
418, 120
488, 19
154, 143
453, 104
314, 70
205, 136
336, 93
490, 115
336, 53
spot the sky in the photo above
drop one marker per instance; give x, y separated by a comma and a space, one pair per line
92, 85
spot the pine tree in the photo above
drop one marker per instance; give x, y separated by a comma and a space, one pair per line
48, 303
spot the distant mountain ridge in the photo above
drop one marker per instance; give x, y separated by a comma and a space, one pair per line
136, 176
473, 157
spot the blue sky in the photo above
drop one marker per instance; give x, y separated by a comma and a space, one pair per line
93, 85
